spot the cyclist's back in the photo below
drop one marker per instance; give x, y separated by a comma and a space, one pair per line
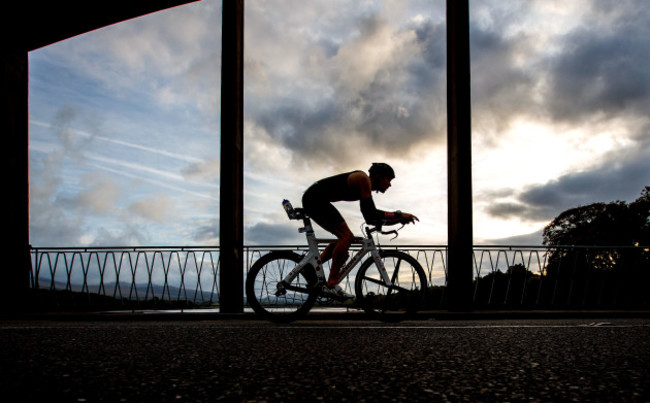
336, 188
318, 198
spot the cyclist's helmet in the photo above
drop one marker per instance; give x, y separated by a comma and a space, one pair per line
383, 169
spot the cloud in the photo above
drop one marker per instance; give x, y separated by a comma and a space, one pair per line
205, 232
502, 89
272, 234
621, 176
99, 195
128, 234
171, 58
159, 208
507, 209
545, 62
368, 89
262, 152
533, 239
603, 72
50, 223
203, 170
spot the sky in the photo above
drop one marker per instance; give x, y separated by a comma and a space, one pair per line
124, 125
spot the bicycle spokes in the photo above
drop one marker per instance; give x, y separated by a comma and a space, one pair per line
270, 296
401, 295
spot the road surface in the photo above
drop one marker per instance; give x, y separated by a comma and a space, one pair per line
325, 360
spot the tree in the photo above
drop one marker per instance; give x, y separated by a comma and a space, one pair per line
611, 224
619, 269
640, 210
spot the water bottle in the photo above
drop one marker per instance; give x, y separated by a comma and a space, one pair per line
289, 209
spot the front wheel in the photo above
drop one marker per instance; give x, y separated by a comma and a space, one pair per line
397, 299
291, 301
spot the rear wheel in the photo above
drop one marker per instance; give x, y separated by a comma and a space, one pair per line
291, 301
398, 299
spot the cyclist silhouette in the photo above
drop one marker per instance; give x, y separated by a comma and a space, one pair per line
350, 186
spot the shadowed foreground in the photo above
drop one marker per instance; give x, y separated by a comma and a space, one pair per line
247, 360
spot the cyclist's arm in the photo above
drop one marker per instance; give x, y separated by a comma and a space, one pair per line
371, 214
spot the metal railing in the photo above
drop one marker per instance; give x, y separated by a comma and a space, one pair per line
187, 277
128, 277
562, 276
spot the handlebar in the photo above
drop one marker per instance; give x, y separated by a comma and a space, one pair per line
378, 228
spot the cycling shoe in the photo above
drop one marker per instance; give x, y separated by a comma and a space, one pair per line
335, 292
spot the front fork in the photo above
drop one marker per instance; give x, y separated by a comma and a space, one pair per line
382, 268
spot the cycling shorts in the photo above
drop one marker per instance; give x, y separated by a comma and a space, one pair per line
316, 205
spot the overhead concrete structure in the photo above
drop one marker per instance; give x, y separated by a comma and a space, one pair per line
29, 25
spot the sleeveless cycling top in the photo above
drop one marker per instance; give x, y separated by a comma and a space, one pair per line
336, 188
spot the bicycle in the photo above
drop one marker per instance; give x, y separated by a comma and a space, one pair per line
283, 286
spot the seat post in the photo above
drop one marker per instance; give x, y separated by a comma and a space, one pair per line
307, 225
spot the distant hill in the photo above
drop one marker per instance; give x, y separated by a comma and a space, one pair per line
143, 292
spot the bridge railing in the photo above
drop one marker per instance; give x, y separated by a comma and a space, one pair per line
504, 276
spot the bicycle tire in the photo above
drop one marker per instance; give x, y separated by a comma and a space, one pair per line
396, 303
261, 286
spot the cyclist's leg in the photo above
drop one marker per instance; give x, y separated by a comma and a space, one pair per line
340, 251
327, 253
328, 217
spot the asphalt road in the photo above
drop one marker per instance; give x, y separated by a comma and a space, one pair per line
331, 360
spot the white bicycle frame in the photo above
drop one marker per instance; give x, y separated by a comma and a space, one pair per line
313, 256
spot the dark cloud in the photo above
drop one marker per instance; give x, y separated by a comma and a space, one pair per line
621, 177
606, 183
297, 125
601, 68
206, 233
600, 73
273, 234
502, 89
506, 209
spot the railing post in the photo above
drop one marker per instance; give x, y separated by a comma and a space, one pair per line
459, 145
231, 217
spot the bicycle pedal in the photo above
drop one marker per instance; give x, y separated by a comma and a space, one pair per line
336, 293
280, 289
322, 300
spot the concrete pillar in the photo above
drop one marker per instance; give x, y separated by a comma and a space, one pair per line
459, 154
16, 265
231, 217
